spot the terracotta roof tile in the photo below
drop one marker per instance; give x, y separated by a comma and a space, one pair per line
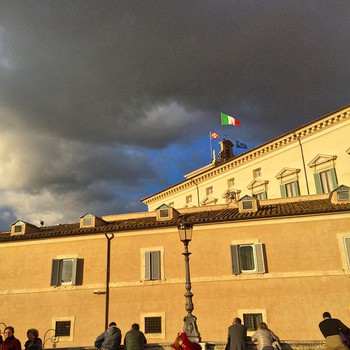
311, 207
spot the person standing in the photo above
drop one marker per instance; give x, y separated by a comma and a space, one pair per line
10, 342
134, 339
331, 328
110, 339
33, 342
237, 335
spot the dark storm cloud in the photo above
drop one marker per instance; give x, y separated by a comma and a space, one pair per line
87, 88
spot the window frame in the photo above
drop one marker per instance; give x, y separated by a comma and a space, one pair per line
149, 272
259, 257
160, 314
189, 199
326, 178
243, 312
209, 191
71, 319
346, 244
231, 182
290, 189
57, 272
257, 173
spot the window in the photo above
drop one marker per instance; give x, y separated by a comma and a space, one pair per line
260, 195
248, 258
231, 182
152, 260
18, 228
257, 173
189, 199
247, 205
153, 324
290, 189
252, 321
326, 181
87, 221
164, 211
209, 191
63, 328
67, 271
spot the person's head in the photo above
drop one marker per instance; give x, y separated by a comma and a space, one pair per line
237, 320
263, 325
32, 334
135, 326
112, 324
9, 331
326, 315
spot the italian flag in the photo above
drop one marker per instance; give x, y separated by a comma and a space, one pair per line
228, 120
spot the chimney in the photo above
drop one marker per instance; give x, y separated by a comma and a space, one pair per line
226, 152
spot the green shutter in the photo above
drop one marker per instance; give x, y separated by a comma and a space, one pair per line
77, 273
55, 273
333, 178
283, 191
260, 258
236, 269
155, 265
147, 266
347, 249
296, 189
318, 184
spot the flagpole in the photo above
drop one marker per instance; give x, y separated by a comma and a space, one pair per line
211, 147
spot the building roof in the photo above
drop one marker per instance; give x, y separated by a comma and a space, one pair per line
268, 209
285, 139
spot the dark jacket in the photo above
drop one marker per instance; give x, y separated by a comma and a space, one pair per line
237, 337
36, 345
109, 339
134, 340
11, 343
332, 326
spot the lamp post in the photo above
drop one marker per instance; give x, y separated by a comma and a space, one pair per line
54, 339
190, 324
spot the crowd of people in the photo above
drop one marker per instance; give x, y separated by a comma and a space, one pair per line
10, 342
335, 332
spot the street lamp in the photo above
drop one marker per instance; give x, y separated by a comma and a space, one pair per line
190, 324
54, 339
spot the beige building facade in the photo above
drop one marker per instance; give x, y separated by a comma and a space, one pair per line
274, 257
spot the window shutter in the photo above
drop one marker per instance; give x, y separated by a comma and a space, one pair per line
155, 265
333, 178
317, 178
296, 188
264, 195
77, 273
260, 258
147, 266
283, 191
55, 273
347, 249
236, 269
